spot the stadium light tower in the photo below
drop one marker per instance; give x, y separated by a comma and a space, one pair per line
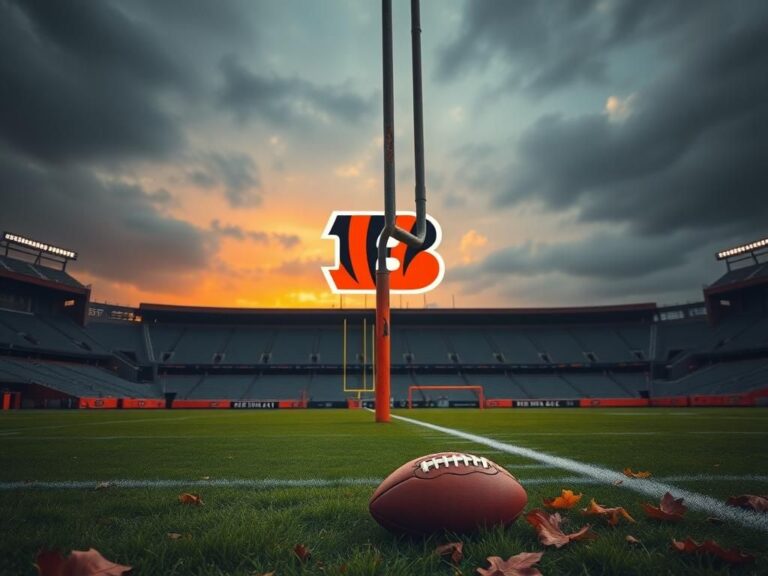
390, 230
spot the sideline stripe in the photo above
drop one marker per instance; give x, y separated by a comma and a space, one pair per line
222, 483
649, 487
319, 482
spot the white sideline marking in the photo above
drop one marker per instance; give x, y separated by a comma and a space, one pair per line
221, 483
649, 487
322, 482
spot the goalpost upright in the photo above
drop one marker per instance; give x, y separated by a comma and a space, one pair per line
391, 230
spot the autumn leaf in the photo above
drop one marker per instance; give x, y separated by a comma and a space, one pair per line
750, 502
519, 565
630, 474
79, 563
453, 550
193, 499
550, 533
670, 509
612, 515
265, 574
632, 540
566, 500
732, 556
302, 552
618, 482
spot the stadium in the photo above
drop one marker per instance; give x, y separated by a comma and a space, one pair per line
61, 351
193, 382
533, 377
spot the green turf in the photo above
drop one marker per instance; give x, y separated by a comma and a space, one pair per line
243, 531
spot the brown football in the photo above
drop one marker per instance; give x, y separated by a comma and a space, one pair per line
447, 491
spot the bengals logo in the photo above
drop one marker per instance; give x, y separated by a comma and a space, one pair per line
411, 270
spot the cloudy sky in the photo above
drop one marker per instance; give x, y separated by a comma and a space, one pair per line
583, 152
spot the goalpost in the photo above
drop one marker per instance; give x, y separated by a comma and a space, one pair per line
477, 389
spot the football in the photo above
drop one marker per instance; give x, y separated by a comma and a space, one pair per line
447, 491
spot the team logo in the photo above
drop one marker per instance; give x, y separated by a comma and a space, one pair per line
411, 270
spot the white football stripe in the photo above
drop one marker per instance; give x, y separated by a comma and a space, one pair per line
267, 483
649, 487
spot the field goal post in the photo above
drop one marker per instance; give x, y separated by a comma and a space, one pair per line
365, 388
477, 389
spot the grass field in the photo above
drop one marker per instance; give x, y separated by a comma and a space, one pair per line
274, 479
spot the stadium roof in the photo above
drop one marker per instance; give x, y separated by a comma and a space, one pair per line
37, 274
740, 278
413, 316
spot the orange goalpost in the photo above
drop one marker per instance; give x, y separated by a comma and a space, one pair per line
477, 389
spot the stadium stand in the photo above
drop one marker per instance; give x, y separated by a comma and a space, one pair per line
52, 338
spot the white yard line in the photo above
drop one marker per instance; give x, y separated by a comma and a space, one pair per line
650, 487
265, 483
160, 483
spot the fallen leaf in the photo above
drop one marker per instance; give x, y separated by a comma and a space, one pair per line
732, 556
566, 500
750, 502
79, 563
670, 509
519, 565
179, 536
194, 499
302, 552
630, 474
618, 482
205, 477
454, 550
104, 485
550, 533
632, 540
264, 574
612, 515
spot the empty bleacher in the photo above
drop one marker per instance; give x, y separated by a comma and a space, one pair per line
79, 380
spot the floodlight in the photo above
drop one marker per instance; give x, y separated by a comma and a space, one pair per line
42, 246
752, 246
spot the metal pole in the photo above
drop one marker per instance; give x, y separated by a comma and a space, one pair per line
390, 228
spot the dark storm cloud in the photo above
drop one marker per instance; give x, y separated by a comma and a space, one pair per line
604, 266
120, 233
691, 154
546, 45
238, 233
237, 175
82, 80
285, 101
606, 256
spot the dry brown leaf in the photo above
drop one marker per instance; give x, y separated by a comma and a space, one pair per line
630, 474
519, 565
565, 501
632, 540
302, 552
79, 563
749, 502
732, 556
193, 499
265, 574
550, 534
612, 515
453, 550
670, 509
618, 482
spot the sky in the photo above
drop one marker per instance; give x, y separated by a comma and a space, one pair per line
577, 153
